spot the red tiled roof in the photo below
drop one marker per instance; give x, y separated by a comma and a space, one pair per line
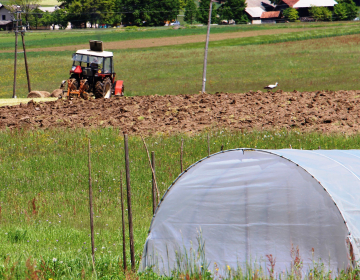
290, 3
274, 14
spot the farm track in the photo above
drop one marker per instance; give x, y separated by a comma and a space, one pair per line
169, 41
324, 111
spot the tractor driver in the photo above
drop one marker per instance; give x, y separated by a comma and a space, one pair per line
94, 64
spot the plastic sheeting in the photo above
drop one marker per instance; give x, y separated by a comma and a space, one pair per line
249, 204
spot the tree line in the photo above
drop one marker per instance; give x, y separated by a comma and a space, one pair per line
130, 12
157, 12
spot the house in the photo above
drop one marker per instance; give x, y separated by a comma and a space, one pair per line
271, 17
6, 18
255, 9
302, 6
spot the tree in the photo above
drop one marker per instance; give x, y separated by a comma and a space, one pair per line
190, 12
182, 4
320, 13
58, 17
340, 12
234, 10
117, 16
26, 6
164, 10
203, 12
155, 12
79, 12
345, 10
291, 14
34, 19
94, 11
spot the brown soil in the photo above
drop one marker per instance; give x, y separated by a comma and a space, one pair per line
324, 111
169, 41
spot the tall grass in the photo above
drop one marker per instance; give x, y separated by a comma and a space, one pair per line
43, 191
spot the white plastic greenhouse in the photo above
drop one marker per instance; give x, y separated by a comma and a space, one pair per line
246, 204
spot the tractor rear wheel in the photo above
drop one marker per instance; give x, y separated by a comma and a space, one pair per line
103, 89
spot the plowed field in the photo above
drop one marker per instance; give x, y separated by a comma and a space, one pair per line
324, 111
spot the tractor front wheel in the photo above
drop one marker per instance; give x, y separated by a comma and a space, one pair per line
103, 89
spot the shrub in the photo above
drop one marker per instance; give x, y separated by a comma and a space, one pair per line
345, 10
320, 13
291, 14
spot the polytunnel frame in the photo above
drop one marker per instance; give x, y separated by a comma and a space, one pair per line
348, 239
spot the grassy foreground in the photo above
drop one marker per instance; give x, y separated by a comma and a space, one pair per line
44, 193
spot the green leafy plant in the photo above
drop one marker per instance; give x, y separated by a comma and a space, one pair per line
345, 10
320, 13
233, 10
291, 14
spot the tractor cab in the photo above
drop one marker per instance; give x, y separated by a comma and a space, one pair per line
92, 72
91, 65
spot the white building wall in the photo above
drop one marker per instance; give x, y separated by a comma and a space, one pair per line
5, 13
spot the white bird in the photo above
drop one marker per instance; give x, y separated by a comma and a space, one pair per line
271, 86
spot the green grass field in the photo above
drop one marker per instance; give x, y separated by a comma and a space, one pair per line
44, 191
305, 65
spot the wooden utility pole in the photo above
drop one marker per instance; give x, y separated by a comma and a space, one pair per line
91, 209
24, 49
206, 48
128, 190
16, 47
153, 182
123, 222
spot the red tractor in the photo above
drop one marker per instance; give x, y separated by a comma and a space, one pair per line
92, 74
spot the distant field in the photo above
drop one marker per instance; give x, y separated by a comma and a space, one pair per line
310, 65
41, 39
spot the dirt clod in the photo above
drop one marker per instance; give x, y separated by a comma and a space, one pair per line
56, 93
38, 94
